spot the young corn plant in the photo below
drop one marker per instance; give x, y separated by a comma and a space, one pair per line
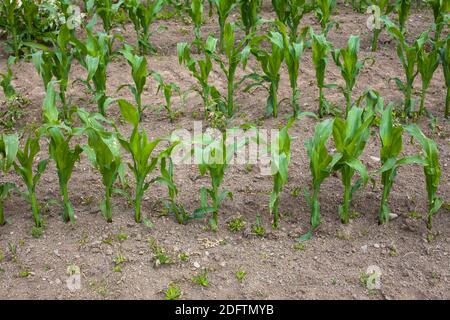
409, 56
107, 10
379, 8
250, 14
139, 74
320, 50
391, 147
166, 178
196, 14
168, 88
270, 62
214, 157
321, 165
403, 7
200, 70
94, 54
55, 62
60, 149
444, 53
292, 56
143, 13
324, 11
24, 168
350, 137
9, 9
291, 13
8, 89
347, 61
431, 169
9, 145
224, 8
428, 62
235, 54
280, 159
440, 8
140, 149
103, 151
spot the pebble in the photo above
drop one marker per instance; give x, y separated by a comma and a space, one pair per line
196, 264
58, 282
364, 248
223, 264
376, 245
56, 253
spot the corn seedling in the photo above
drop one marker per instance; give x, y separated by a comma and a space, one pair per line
55, 62
214, 156
24, 167
139, 74
224, 8
196, 14
431, 169
140, 149
403, 7
167, 88
166, 178
280, 159
444, 53
9, 9
324, 11
5, 83
290, 13
103, 151
321, 164
143, 14
60, 149
440, 8
321, 48
347, 61
379, 8
292, 56
391, 147
270, 62
235, 54
9, 145
94, 55
107, 10
249, 14
350, 137
201, 69
427, 64
409, 56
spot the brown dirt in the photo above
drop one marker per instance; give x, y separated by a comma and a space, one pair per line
330, 264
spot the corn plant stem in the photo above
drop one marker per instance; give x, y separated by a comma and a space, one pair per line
273, 94
376, 35
2, 214
108, 210
35, 209
447, 103
138, 200
16, 43
321, 102
67, 206
315, 207
431, 190
408, 100
422, 100
347, 174
230, 104
348, 102
384, 208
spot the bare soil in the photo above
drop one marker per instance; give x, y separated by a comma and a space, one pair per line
330, 265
